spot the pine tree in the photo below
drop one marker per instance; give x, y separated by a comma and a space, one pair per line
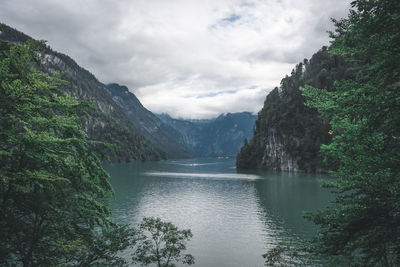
363, 223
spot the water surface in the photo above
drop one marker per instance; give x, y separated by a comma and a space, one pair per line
234, 216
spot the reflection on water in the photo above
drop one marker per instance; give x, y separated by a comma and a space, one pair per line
229, 176
234, 217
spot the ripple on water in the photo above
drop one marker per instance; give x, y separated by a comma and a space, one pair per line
204, 175
234, 217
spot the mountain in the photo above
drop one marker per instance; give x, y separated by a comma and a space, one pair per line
108, 122
222, 136
158, 132
288, 135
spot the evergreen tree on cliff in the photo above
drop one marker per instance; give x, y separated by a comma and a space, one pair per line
363, 223
288, 134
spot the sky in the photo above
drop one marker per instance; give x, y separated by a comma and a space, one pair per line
192, 59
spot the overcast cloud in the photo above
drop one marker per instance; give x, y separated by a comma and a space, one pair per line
188, 58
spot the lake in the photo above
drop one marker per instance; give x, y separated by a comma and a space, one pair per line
235, 217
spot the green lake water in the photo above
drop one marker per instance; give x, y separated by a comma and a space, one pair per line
234, 216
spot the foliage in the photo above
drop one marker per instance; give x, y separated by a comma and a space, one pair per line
363, 223
301, 253
53, 189
280, 256
107, 123
161, 243
298, 129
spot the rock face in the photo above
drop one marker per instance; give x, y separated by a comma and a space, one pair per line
222, 136
107, 123
159, 133
275, 156
288, 135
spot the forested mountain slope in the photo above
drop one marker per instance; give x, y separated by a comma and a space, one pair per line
288, 135
107, 123
159, 133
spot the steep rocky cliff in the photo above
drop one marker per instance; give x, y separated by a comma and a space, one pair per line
222, 136
159, 133
276, 154
107, 122
288, 135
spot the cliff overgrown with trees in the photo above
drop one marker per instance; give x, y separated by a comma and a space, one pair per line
288, 134
361, 227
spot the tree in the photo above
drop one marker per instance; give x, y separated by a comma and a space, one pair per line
363, 223
161, 243
285, 255
53, 189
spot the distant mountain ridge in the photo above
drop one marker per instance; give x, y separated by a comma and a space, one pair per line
159, 133
108, 123
222, 136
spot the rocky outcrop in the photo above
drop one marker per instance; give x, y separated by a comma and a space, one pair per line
288, 135
275, 156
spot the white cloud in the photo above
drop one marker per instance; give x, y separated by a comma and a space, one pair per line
171, 52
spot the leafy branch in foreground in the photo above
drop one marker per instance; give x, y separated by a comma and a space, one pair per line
363, 223
53, 189
284, 255
161, 243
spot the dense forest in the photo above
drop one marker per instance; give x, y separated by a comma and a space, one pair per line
337, 112
54, 191
363, 223
358, 103
288, 134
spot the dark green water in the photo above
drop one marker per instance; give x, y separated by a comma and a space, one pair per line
234, 216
